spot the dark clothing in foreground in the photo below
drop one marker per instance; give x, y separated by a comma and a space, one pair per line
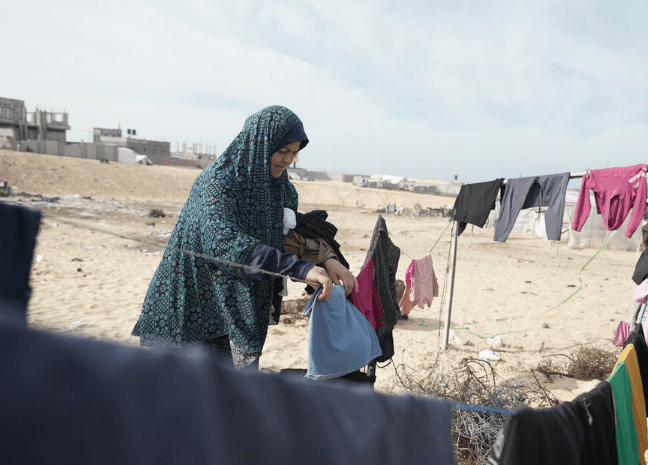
18, 229
66, 400
580, 432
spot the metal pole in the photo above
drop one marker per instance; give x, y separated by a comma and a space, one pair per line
451, 275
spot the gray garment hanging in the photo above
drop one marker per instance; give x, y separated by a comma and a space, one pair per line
534, 191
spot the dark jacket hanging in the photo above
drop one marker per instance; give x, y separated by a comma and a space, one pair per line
385, 258
474, 203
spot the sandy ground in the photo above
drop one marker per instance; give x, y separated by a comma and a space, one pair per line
96, 254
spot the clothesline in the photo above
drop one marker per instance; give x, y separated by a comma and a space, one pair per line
506, 225
572, 175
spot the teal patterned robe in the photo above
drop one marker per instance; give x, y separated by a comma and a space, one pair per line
234, 204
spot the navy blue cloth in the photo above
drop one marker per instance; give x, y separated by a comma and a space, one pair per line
295, 133
271, 259
18, 229
340, 338
66, 400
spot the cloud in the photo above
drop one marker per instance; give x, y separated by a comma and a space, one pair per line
473, 88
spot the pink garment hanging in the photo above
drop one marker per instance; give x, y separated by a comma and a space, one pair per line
406, 304
641, 292
366, 298
621, 333
616, 191
424, 282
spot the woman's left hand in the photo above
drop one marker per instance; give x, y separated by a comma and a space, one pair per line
340, 275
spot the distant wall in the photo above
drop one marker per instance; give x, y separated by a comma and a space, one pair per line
47, 147
157, 151
60, 148
92, 151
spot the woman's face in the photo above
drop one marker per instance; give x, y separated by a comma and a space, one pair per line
283, 158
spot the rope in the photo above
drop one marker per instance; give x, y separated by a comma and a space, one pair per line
581, 270
188, 252
437, 241
472, 332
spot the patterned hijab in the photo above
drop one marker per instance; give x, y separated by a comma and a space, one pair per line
245, 166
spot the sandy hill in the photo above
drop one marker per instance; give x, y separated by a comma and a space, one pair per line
62, 176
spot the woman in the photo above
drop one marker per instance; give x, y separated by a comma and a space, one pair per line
234, 213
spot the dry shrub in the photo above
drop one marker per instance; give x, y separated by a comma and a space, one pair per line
583, 363
473, 382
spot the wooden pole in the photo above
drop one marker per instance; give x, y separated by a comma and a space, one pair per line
450, 291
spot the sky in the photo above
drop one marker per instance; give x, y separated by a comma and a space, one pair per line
477, 89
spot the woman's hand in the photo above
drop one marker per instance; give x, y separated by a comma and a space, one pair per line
340, 275
318, 275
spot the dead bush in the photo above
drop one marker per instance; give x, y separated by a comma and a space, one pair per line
583, 363
473, 382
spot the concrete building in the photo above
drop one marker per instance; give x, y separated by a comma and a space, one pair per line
17, 124
156, 151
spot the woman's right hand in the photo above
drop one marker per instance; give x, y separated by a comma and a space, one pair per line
340, 275
318, 276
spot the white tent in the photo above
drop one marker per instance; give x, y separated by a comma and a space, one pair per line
125, 155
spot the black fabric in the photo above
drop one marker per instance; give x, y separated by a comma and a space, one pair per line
277, 298
638, 340
641, 268
271, 259
474, 203
18, 230
580, 432
357, 376
386, 341
313, 225
385, 261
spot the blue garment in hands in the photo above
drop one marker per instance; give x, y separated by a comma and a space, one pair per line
340, 338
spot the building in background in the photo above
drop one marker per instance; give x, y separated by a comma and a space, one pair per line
156, 151
18, 125
45, 132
